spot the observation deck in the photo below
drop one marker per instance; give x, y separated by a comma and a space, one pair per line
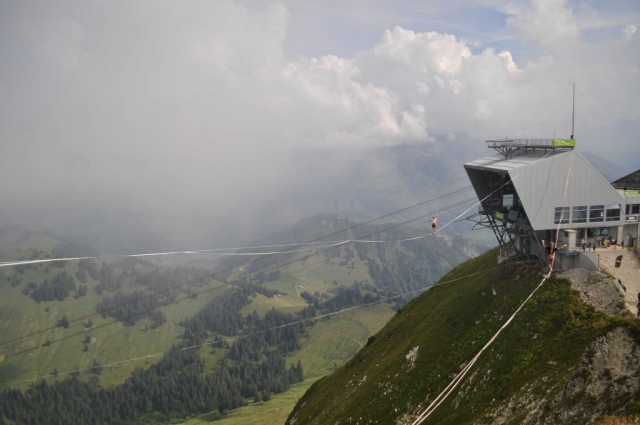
509, 147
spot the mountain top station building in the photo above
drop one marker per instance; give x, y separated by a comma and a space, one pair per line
533, 186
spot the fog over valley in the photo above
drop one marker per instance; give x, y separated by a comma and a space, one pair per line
138, 126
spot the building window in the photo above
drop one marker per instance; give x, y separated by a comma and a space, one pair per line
579, 214
632, 209
597, 231
507, 201
596, 213
613, 212
562, 215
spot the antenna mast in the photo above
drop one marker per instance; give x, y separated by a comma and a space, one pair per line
573, 110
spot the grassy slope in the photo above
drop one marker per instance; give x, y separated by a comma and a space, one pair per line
450, 324
112, 343
20, 315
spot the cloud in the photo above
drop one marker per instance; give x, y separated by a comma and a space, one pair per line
627, 32
549, 23
193, 109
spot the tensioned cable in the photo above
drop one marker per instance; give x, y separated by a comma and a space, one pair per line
290, 324
383, 299
254, 254
410, 195
216, 250
207, 290
237, 281
454, 383
178, 300
210, 289
245, 264
201, 292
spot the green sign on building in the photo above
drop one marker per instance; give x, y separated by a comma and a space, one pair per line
498, 215
564, 143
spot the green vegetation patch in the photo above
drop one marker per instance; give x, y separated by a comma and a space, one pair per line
411, 360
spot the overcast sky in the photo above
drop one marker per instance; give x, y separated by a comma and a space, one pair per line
169, 100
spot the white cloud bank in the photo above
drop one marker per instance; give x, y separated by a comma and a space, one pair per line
218, 71
174, 99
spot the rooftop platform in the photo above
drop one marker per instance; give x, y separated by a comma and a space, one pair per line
498, 163
509, 147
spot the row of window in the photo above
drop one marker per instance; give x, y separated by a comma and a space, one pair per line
592, 214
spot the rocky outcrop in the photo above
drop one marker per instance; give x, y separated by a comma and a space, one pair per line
606, 380
598, 290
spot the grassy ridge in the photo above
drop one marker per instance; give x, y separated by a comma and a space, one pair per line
448, 325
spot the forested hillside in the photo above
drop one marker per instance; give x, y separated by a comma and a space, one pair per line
188, 344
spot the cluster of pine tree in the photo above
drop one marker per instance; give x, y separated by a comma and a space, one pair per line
109, 279
164, 280
87, 267
222, 314
346, 297
57, 288
129, 308
21, 268
15, 280
343, 296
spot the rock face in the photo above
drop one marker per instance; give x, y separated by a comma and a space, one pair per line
606, 380
598, 290
607, 375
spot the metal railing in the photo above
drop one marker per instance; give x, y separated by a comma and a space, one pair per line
520, 142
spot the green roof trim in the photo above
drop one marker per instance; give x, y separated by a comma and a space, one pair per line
564, 143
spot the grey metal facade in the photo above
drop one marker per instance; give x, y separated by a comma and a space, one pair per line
527, 194
544, 182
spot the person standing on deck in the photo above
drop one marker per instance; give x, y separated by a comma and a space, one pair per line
434, 220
